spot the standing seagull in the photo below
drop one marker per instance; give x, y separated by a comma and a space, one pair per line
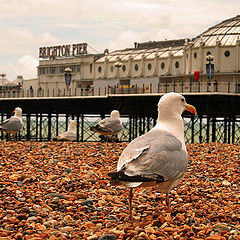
70, 135
109, 126
159, 157
13, 124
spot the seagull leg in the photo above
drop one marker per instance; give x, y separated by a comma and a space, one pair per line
167, 201
130, 196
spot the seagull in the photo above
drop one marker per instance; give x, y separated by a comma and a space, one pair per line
158, 158
13, 124
70, 135
109, 126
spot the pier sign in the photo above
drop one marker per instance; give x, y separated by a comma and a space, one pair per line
63, 50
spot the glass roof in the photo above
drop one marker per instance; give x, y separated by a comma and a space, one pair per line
226, 33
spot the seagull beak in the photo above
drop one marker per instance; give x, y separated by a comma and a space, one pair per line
13, 112
191, 109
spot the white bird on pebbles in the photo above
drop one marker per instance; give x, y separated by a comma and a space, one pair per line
70, 134
13, 124
111, 126
158, 158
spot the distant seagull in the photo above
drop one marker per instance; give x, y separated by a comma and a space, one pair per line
158, 158
70, 135
13, 124
111, 126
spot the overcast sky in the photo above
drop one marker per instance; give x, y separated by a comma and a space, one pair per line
27, 25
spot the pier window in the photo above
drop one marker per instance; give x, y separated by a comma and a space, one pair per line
99, 69
227, 53
44, 70
162, 65
74, 68
149, 66
124, 68
195, 55
78, 68
176, 64
62, 69
52, 70
136, 67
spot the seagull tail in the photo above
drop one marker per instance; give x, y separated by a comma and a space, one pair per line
121, 176
98, 128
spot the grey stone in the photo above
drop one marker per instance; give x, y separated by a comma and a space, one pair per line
59, 195
107, 237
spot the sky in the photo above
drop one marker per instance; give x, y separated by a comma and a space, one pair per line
27, 25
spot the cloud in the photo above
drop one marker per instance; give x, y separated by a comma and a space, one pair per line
27, 66
27, 25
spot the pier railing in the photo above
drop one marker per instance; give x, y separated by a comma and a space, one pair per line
200, 129
181, 87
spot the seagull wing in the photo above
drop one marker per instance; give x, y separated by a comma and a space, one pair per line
11, 124
155, 156
112, 125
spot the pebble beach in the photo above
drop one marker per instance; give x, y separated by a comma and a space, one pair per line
60, 190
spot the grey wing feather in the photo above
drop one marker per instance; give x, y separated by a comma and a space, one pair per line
71, 136
111, 124
11, 124
155, 153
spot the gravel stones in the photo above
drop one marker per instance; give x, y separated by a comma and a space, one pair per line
61, 191
107, 237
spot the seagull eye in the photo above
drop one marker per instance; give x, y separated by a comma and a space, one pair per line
183, 100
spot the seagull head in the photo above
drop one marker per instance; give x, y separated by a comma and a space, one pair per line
174, 103
115, 114
18, 112
72, 125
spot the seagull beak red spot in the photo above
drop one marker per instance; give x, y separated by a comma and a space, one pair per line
191, 109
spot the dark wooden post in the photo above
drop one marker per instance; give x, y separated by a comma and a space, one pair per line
192, 128
40, 130
82, 127
49, 126
200, 130
225, 130
229, 130
77, 128
57, 124
66, 122
233, 129
36, 136
28, 127
214, 129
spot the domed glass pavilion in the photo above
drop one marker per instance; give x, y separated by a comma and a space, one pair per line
211, 60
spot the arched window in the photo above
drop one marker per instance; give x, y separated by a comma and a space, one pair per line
162, 65
136, 67
149, 66
176, 64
